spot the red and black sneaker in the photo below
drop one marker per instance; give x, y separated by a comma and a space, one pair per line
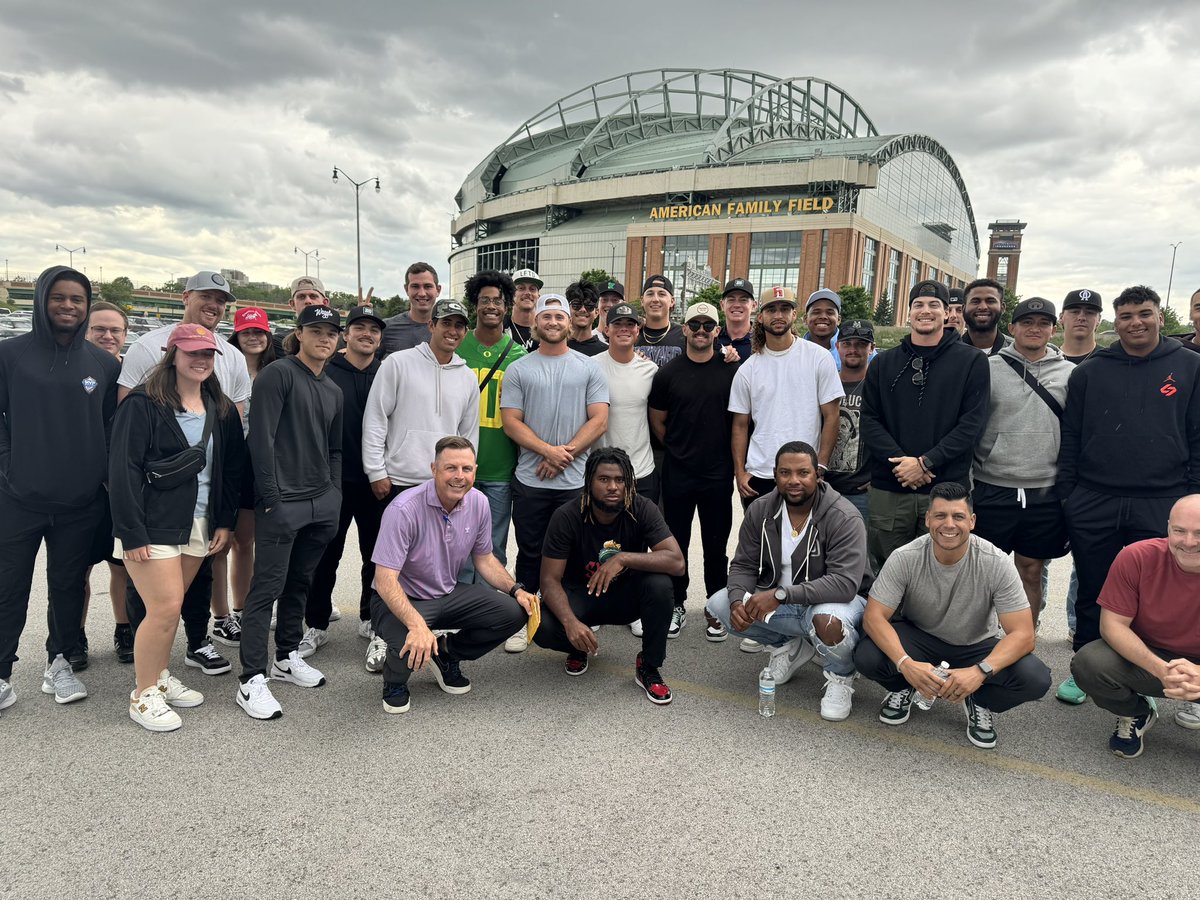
651, 682
577, 663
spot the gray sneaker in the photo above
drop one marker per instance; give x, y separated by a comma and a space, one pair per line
7, 697
60, 680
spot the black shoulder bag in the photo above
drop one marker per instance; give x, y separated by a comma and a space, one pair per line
496, 365
173, 471
1038, 389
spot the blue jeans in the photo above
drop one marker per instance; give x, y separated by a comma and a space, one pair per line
499, 495
793, 620
1072, 590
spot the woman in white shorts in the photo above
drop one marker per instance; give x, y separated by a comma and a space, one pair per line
174, 477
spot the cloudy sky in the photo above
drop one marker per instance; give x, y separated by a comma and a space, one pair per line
169, 137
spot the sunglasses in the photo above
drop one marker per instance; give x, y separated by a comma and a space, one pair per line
582, 304
707, 327
918, 365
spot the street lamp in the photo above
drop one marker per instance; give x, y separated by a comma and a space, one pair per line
358, 186
70, 253
1171, 277
307, 254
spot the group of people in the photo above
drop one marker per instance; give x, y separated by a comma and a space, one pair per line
883, 491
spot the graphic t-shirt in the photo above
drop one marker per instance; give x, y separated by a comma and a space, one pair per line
848, 472
585, 544
1146, 584
661, 345
497, 457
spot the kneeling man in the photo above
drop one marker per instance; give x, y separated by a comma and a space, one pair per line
800, 574
427, 534
947, 585
1149, 632
607, 560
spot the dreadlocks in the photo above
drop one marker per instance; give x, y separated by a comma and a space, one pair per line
612, 456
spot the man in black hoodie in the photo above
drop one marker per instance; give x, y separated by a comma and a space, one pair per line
58, 394
352, 370
1130, 449
924, 406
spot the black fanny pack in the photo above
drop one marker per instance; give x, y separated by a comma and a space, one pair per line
178, 469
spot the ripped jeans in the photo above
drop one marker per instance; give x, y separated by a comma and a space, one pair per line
796, 620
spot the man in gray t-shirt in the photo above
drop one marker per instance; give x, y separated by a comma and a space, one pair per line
554, 405
947, 585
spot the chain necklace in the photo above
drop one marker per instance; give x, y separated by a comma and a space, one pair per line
646, 339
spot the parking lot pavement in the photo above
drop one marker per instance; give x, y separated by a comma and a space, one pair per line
536, 784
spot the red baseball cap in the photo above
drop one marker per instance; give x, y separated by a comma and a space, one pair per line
250, 317
192, 338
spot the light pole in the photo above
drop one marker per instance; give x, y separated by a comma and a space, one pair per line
358, 186
307, 254
612, 265
1170, 278
70, 253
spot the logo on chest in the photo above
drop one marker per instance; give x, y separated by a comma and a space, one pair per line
1168, 388
89, 384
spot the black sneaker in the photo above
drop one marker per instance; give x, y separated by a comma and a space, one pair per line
395, 698
78, 655
228, 631
1126, 741
981, 731
123, 643
577, 663
445, 669
207, 660
896, 707
651, 682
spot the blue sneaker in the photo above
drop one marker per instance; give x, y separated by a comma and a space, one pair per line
1126, 741
395, 698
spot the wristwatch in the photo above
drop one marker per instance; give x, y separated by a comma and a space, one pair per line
780, 595
517, 586
987, 670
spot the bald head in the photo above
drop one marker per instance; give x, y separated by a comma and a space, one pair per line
1183, 533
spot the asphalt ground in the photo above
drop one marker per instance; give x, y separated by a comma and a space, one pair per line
539, 785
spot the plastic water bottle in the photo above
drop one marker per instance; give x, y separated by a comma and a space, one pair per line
766, 693
942, 672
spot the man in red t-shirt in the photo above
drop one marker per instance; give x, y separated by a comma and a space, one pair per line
1149, 632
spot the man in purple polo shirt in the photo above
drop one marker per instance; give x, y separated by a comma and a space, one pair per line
427, 534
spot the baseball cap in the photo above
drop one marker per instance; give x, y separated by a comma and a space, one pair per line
443, 309
550, 301
930, 288
660, 281
364, 312
250, 317
192, 338
611, 287
319, 315
857, 328
824, 294
776, 293
308, 283
622, 311
738, 284
1083, 297
527, 275
1034, 306
705, 310
956, 297
208, 281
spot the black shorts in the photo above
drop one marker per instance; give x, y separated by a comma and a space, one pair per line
102, 541
1037, 530
246, 500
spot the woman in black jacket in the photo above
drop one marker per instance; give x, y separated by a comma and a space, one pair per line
172, 505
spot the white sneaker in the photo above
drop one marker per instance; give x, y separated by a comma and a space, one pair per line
1187, 717
376, 654
334, 613
149, 709
60, 680
786, 661
636, 627
175, 693
839, 691
256, 699
749, 646
7, 697
519, 642
365, 631
313, 638
678, 620
297, 671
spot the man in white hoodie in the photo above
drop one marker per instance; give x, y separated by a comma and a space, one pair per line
419, 396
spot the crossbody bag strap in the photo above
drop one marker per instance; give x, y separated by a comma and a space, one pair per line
496, 365
1038, 388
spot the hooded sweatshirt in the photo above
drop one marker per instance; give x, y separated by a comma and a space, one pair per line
56, 408
415, 401
356, 385
1019, 445
1132, 424
940, 419
828, 566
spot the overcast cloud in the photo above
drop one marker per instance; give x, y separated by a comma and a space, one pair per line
168, 138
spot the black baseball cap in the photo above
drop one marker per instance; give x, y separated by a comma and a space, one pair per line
611, 287
1083, 297
930, 288
1035, 306
364, 312
738, 284
956, 297
661, 281
622, 311
319, 315
857, 328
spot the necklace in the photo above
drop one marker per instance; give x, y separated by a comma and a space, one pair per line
646, 339
796, 529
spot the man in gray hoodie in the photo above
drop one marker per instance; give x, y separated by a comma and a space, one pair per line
418, 397
1016, 459
800, 575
